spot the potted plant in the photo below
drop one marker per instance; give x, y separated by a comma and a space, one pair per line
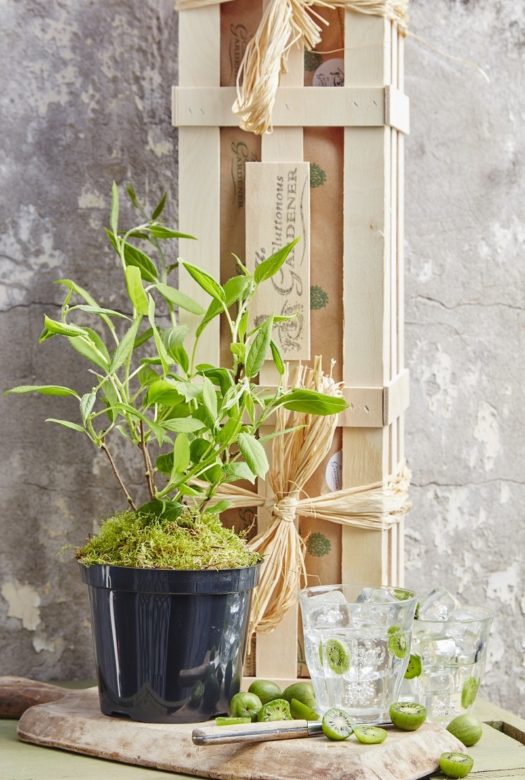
170, 586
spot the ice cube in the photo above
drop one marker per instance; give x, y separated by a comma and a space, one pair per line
376, 596
329, 597
335, 616
438, 605
446, 649
328, 609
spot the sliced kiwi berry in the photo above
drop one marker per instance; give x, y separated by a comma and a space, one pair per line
469, 692
370, 735
337, 656
467, 729
397, 642
401, 594
266, 690
301, 691
455, 764
320, 652
414, 667
277, 709
224, 721
337, 724
302, 711
407, 715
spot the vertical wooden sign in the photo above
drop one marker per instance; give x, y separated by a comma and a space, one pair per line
277, 212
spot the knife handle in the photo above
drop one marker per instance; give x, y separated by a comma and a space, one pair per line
253, 732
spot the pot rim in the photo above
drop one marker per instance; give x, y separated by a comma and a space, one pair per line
175, 581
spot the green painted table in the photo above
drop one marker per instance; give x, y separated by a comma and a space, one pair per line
499, 756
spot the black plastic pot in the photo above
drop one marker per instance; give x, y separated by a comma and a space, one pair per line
169, 645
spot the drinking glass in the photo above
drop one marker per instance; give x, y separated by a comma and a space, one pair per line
357, 645
450, 658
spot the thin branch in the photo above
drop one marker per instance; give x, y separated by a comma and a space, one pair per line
147, 462
119, 478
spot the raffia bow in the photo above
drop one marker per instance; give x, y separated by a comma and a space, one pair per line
285, 23
295, 457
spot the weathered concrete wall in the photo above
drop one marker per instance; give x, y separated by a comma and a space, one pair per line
465, 317
88, 101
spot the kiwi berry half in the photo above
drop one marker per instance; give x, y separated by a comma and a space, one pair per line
469, 692
337, 724
455, 764
337, 656
277, 709
370, 735
407, 715
397, 642
414, 667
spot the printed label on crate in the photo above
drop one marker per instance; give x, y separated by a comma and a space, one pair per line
277, 212
331, 73
334, 471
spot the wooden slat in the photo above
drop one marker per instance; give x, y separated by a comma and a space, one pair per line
367, 275
392, 422
199, 166
375, 407
400, 276
397, 108
296, 107
276, 653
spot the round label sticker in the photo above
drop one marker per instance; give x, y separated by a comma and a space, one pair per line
334, 471
331, 73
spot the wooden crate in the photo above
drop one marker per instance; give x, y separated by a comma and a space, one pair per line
368, 118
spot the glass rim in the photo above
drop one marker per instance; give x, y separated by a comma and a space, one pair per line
318, 589
486, 614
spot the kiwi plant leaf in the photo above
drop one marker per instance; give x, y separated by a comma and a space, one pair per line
277, 357
57, 390
183, 425
312, 402
66, 424
159, 208
55, 328
254, 454
269, 267
178, 298
125, 347
135, 256
181, 453
205, 281
259, 348
114, 207
136, 292
159, 231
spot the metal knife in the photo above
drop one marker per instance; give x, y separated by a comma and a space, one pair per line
260, 732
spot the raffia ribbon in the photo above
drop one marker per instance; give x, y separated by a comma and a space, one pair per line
285, 23
295, 457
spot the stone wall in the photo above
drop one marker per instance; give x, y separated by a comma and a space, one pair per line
87, 101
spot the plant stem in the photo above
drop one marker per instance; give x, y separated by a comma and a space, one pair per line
147, 462
119, 478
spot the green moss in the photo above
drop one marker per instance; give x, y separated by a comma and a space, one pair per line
190, 542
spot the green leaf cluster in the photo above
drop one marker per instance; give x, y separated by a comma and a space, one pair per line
195, 426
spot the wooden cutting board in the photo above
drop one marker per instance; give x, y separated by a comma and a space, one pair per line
75, 723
